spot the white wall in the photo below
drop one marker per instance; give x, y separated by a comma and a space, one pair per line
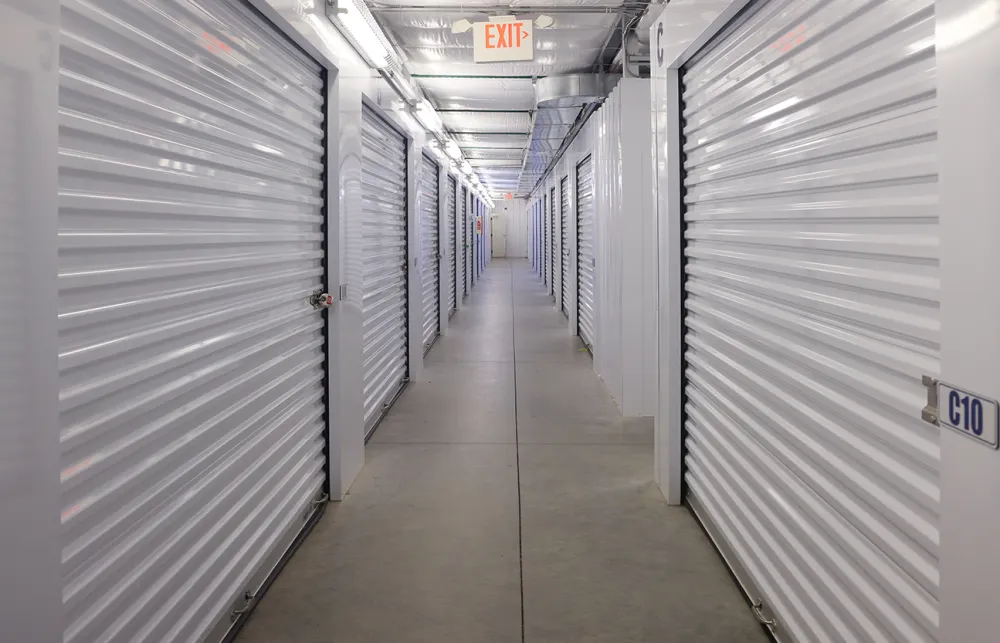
31, 592
968, 57
515, 219
618, 137
625, 248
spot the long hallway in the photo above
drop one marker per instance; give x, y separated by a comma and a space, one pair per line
505, 499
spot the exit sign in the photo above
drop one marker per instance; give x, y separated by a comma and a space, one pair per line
502, 39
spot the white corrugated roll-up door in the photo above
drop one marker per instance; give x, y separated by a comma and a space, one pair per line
430, 250
384, 287
450, 204
811, 313
191, 362
585, 259
547, 244
465, 242
474, 241
470, 241
553, 260
564, 240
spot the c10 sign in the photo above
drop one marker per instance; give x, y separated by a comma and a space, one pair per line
503, 39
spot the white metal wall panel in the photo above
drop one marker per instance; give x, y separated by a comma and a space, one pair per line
564, 240
191, 364
383, 193
585, 250
430, 249
450, 204
811, 311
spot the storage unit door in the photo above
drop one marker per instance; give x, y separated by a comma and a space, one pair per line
450, 205
564, 240
585, 263
811, 312
547, 244
384, 286
191, 363
474, 240
469, 247
555, 246
430, 249
465, 242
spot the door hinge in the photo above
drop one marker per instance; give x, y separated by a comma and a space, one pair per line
343, 292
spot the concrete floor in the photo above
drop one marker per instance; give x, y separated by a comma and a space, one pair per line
505, 499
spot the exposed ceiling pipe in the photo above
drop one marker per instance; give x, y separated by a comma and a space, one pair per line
504, 9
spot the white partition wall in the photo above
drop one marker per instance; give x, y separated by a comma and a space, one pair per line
599, 253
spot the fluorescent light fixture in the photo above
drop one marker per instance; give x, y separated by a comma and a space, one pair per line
466, 168
405, 87
360, 27
428, 117
453, 150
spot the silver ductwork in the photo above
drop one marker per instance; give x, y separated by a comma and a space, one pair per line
562, 104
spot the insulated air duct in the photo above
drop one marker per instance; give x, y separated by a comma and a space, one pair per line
562, 105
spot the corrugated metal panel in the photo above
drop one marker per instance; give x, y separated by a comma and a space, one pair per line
465, 242
383, 192
546, 241
555, 246
191, 363
430, 249
474, 240
450, 205
812, 301
470, 241
564, 240
586, 262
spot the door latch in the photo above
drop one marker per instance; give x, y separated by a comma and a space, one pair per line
758, 612
237, 612
320, 299
930, 412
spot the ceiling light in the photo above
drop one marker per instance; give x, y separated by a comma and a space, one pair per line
453, 150
466, 168
360, 28
405, 87
428, 117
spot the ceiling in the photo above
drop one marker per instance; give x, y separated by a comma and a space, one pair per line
490, 108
